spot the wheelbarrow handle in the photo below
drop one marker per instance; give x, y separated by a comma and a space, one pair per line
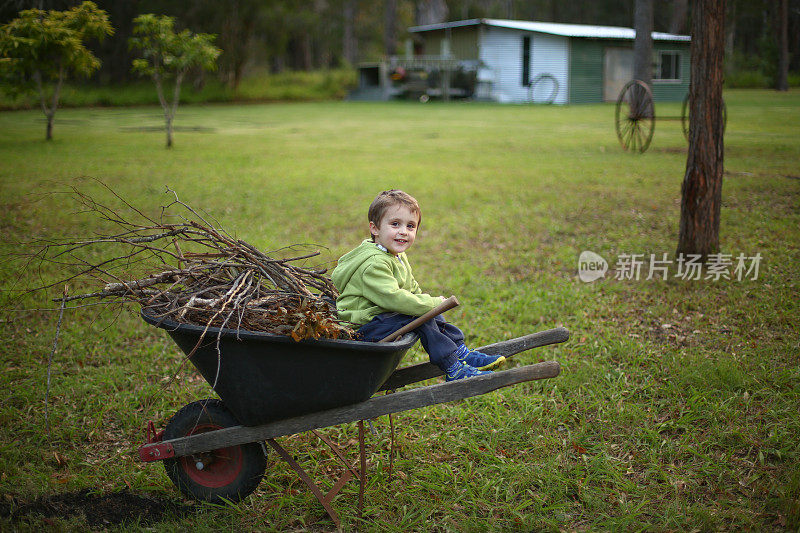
446, 305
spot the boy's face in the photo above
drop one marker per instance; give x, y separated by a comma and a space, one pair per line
397, 229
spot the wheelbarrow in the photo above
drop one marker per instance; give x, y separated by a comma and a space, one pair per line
271, 386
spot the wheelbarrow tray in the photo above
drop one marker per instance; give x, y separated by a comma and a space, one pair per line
263, 377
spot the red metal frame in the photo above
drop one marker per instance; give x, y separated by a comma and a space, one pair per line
154, 450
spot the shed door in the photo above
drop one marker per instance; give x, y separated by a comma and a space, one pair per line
617, 71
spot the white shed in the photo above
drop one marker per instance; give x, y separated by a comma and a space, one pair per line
502, 63
528, 61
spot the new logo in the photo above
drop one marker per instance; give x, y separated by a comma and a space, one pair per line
591, 266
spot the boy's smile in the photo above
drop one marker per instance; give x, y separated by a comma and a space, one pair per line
397, 230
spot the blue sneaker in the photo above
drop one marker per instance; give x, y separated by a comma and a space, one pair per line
479, 360
461, 370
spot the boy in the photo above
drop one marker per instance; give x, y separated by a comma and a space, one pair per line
378, 292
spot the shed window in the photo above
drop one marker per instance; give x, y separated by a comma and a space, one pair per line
669, 66
526, 61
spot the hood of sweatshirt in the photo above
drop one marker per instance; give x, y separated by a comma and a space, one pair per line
350, 262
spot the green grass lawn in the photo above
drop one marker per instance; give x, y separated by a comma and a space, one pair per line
678, 406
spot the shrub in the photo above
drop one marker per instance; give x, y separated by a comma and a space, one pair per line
256, 86
751, 79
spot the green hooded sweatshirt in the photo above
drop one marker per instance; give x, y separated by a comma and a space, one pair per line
371, 281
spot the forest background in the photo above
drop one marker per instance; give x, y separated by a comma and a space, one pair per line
263, 38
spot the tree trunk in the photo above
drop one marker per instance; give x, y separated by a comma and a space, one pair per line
678, 22
323, 37
167, 113
300, 50
509, 9
169, 131
237, 28
173, 108
430, 12
390, 27
350, 45
49, 134
169, 110
643, 44
730, 35
701, 192
783, 46
37, 77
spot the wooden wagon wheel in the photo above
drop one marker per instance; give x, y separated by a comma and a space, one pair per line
635, 116
685, 116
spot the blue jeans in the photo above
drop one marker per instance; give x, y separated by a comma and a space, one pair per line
439, 338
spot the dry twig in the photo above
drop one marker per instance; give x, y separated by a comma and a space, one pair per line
182, 267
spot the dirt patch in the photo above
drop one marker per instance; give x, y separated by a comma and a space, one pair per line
100, 510
672, 150
196, 129
665, 333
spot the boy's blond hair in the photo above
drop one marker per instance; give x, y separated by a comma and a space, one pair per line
387, 199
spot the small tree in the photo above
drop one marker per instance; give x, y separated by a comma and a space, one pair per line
167, 55
40, 49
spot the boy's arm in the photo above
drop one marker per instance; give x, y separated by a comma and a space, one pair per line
415, 288
381, 288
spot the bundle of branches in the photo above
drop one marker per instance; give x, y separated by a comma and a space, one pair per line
193, 271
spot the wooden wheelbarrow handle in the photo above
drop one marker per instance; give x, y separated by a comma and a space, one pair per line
446, 305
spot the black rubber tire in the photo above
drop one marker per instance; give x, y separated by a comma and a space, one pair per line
230, 474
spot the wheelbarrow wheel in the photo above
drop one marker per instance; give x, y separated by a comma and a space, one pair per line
224, 474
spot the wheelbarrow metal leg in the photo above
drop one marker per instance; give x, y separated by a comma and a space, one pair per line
303, 475
335, 449
391, 445
363, 477
350, 471
341, 482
